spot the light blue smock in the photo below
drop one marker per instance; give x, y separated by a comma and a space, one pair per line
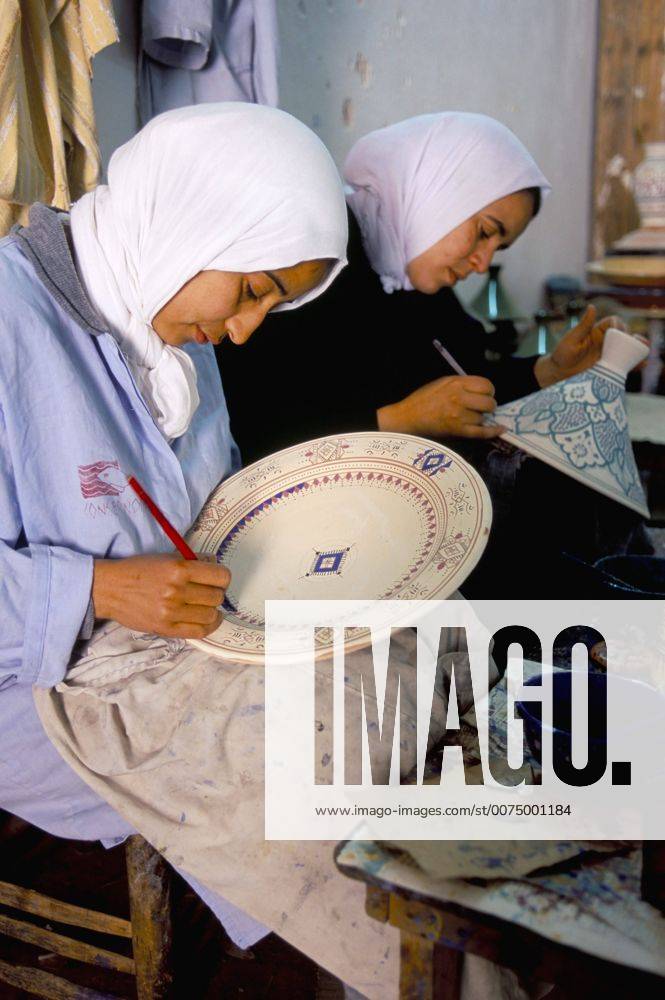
71, 419
71, 422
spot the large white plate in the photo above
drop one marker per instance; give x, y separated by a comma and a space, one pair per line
363, 516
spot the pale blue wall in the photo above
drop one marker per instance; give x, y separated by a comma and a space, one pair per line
352, 65
349, 66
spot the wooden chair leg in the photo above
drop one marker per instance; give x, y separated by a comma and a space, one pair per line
428, 970
416, 971
149, 881
448, 964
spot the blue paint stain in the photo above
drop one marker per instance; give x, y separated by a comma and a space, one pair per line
325, 760
372, 861
249, 710
182, 817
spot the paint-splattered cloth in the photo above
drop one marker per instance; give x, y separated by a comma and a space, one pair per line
174, 740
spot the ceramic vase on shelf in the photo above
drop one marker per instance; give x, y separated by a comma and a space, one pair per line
580, 426
649, 186
649, 192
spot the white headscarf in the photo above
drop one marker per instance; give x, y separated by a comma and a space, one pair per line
233, 187
411, 184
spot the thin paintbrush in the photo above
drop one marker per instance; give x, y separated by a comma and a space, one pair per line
447, 356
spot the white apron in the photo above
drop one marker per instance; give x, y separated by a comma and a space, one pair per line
174, 741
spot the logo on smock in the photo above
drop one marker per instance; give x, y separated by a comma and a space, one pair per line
101, 479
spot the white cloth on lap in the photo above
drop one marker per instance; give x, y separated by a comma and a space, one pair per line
38, 786
174, 741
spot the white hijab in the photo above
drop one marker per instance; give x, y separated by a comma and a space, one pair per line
233, 187
411, 184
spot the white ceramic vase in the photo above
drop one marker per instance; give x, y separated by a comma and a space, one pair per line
580, 426
649, 186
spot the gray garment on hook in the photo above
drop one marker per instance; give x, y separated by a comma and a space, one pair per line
198, 51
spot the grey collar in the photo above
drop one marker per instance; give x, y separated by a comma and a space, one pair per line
46, 243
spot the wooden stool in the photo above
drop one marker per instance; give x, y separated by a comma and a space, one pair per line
149, 928
435, 935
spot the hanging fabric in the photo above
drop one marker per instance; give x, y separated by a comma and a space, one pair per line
48, 144
198, 51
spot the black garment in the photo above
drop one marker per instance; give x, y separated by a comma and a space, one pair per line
327, 367
547, 530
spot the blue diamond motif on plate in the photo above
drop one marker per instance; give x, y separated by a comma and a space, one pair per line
432, 461
328, 562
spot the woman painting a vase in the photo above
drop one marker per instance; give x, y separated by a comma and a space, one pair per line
430, 201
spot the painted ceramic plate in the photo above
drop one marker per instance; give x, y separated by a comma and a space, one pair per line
633, 269
645, 241
364, 516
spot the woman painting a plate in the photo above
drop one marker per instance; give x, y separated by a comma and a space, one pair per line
212, 217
